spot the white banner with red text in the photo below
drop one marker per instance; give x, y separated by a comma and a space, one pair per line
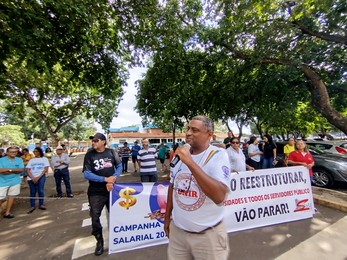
257, 199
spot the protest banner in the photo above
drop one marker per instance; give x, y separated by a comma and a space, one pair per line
257, 199
137, 216
267, 197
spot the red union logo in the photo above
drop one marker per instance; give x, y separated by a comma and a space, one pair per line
302, 205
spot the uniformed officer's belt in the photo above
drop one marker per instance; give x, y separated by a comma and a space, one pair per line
206, 229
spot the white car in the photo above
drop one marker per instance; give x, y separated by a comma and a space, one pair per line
338, 147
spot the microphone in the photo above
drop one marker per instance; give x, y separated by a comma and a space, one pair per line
176, 159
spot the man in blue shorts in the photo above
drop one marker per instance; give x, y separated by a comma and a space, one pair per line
134, 153
10, 169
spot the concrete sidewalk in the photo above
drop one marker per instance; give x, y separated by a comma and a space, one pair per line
326, 244
330, 198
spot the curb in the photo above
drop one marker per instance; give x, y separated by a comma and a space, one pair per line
329, 203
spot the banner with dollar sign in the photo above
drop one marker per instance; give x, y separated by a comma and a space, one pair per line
137, 216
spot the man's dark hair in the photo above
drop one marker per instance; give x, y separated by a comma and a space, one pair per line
12, 148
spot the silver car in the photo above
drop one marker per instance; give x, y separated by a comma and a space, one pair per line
338, 147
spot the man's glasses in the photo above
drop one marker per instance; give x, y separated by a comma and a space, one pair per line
95, 140
235, 142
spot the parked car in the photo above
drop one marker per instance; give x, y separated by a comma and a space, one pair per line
328, 169
336, 136
338, 147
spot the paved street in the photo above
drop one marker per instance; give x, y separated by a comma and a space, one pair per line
63, 231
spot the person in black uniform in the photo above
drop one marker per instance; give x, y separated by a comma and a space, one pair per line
101, 167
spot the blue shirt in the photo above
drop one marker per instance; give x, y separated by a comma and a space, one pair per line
135, 150
10, 179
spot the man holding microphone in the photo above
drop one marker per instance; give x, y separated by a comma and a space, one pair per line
198, 187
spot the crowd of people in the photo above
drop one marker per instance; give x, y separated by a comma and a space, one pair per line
204, 168
23, 169
255, 154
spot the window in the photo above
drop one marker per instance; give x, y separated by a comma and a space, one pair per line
154, 141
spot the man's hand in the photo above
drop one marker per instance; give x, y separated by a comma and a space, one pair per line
184, 153
167, 227
111, 179
109, 186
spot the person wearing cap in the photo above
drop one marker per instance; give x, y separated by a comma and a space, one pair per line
101, 167
60, 163
134, 153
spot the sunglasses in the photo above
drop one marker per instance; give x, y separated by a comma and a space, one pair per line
235, 142
95, 140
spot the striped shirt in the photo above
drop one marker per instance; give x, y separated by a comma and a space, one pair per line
147, 160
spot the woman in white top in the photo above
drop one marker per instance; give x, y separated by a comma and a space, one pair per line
254, 153
37, 169
237, 158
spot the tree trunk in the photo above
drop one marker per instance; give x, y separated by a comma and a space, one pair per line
173, 134
260, 130
320, 99
240, 133
55, 138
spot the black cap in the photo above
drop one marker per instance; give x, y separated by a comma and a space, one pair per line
99, 136
91, 137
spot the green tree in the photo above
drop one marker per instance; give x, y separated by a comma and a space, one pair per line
65, 58
300, 46
78, 129
11, 135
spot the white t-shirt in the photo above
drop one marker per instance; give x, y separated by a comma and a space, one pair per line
37, 165
254, 149
192, 209
237, 160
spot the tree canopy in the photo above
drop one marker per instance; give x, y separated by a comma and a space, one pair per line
65, 58
257, 59
11, 134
